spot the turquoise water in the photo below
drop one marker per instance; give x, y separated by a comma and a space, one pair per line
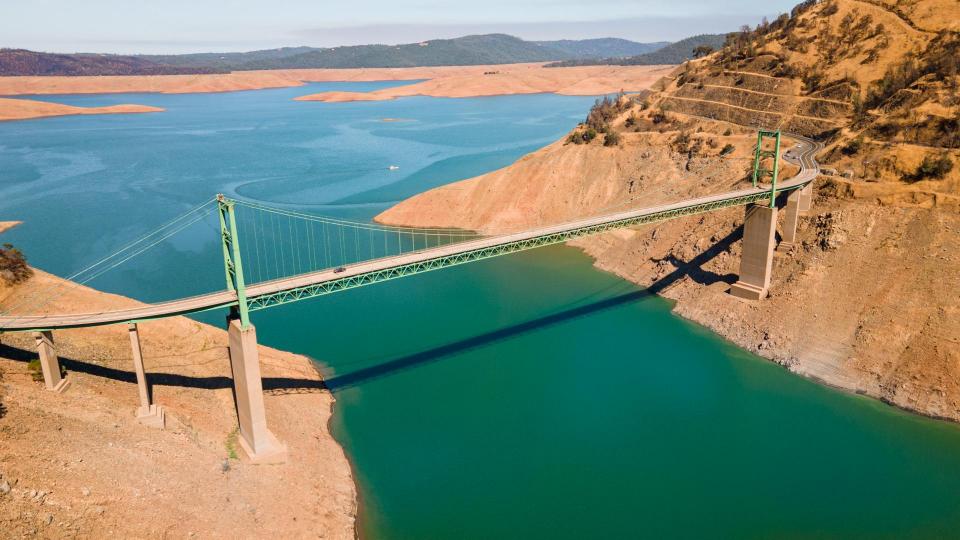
526, 396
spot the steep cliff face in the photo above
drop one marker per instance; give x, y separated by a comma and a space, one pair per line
861, 302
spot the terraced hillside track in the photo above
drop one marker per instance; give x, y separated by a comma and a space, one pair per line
722, 104
811, 98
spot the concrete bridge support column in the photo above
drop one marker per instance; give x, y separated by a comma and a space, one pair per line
806, 198
788, 238
50, 363
256, 440
756, 262
148, 414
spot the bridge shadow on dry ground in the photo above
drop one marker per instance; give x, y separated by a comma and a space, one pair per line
279, 385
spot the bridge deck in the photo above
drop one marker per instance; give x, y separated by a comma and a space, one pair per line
266, 294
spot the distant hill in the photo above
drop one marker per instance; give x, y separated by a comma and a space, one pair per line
462, 51
674, 53
226, 61
24, 62
480, 49
602, 47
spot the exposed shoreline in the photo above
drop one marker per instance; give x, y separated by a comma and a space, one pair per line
445, 81
512, 80
24, 109
7, 225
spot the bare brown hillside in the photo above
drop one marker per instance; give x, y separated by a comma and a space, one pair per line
862, 303
78, 465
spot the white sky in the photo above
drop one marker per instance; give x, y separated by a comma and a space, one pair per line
173, 26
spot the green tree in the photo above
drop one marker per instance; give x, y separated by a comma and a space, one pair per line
13, 265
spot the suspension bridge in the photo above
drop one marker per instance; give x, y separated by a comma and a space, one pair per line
273, 256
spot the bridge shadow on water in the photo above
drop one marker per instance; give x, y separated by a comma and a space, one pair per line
285, 385
692, 269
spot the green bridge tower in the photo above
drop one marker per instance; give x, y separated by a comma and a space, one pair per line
232, 265
759, 172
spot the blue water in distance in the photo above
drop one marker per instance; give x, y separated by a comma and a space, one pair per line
529, 396
86, 185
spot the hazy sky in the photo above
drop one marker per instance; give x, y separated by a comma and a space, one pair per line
162, 26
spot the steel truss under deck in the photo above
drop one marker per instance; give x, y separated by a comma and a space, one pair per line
377, 276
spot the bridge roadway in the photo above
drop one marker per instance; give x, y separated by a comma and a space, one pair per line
269, 293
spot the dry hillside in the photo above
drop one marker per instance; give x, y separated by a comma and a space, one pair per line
865, 301
877, 80
78, 465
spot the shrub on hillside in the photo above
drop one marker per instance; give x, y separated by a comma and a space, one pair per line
13, 266
812, 80
607, 109
612, 138
681, 143
702, 50
933, 167
853, 146
659, 117
940, 59
583, 137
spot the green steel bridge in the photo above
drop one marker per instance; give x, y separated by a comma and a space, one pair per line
338, 255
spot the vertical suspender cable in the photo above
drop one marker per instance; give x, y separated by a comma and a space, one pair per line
275, 234
326, 247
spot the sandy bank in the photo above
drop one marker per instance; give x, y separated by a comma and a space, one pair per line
101, 471
7, 225
860, 304
582, 80
513, 79
447, 81
22, 109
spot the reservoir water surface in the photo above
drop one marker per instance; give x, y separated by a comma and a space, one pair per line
529, 396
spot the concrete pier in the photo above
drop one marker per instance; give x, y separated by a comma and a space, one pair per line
256, 440
148, 414
756, 262
788, 235
806, 198
50, 362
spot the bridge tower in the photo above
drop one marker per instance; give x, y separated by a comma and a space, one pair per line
232, 265
760, 224
761, 155
256, 440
